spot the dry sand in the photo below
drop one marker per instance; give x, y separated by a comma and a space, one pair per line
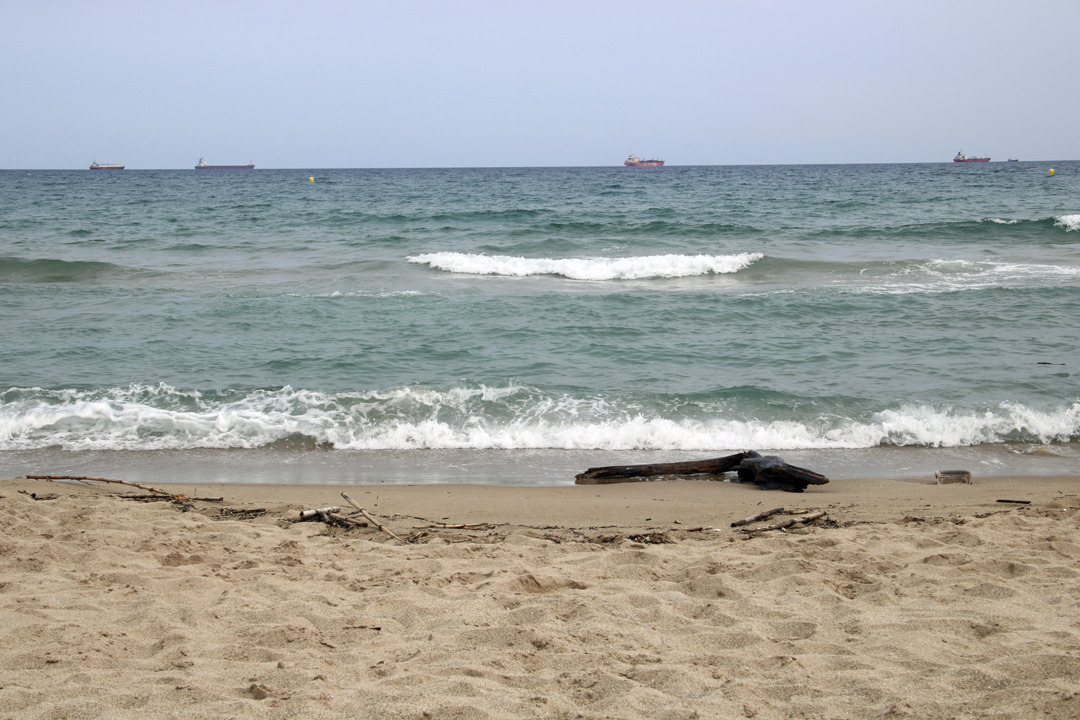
911, 600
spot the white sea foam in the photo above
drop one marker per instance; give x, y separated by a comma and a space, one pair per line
375, 294
589, 268
477, 417
951, 275
1071, 223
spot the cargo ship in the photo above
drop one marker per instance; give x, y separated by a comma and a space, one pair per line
635, 161
203, 165
961, 157
105, 166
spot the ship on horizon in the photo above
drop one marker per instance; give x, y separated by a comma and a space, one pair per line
203, 165
961, 157
106, 166
635, 161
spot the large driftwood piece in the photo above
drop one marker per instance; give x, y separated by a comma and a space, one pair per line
641, 473
772, 473
769, 472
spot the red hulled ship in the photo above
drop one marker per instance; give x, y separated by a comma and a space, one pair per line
961, 157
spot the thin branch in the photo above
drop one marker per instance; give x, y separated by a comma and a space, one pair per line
373, 521
147, 488
759, 516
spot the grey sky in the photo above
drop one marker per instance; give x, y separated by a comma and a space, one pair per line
420, 83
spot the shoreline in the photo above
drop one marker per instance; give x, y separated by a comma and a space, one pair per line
518, 467
673, 505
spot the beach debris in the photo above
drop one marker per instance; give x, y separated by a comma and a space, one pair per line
653, 538
767, 471
791, 522
373, 521
308, 514
330, 516
35, 496
759, 516
1016, 502
152, 490
950, 477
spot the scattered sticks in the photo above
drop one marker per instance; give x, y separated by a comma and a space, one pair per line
146, 488
309, 514
373, 521
759, 516
800, 520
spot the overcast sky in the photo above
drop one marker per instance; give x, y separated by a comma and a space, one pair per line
464, 83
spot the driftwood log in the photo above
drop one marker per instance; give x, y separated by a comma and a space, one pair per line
767, 471
634, 473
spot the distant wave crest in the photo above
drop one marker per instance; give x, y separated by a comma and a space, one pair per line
476, 416
51, 270
591, 268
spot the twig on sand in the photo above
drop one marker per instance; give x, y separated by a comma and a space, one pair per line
309, 514
801, 520
330, 516
372, 520
147, 488
759, 516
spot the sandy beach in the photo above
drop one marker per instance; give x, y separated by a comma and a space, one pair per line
905, 600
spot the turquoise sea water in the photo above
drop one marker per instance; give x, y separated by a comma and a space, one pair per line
518, 325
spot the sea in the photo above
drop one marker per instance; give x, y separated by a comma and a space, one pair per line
516, 326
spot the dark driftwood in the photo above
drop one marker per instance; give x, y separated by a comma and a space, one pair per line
769, 472
772, 473
640, 473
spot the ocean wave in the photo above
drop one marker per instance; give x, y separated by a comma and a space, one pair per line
961, 231
590, 268
942, 275
474, 416
1071, 223
51, 270
1001, 271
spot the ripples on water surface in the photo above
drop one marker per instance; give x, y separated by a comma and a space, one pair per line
675, 311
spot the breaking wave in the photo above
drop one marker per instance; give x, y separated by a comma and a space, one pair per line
1071, 223
593, 268
474, 416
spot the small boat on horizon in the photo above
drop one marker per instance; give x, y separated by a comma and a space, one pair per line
961, 157
635, 161
203, 165
106, 166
